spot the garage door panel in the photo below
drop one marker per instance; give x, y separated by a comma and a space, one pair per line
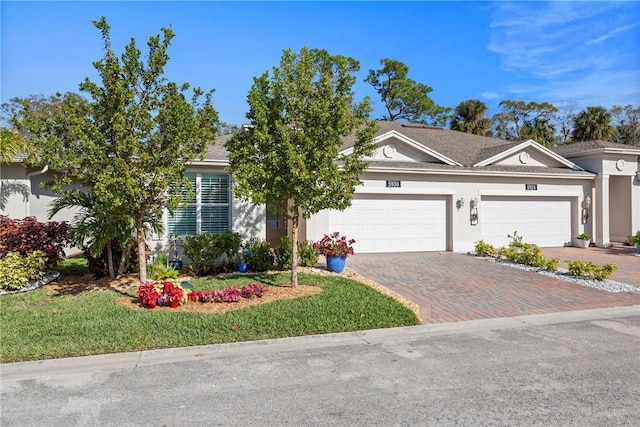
383, 223
543, 221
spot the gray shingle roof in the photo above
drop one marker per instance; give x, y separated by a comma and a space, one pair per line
216, 151
464, 148
467, 149
583, 146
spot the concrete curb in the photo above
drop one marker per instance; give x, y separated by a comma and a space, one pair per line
77, 365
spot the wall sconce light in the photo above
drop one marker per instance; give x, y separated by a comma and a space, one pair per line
460, 203
586, 203
473, 213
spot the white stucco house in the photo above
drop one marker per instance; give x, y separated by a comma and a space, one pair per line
426, 189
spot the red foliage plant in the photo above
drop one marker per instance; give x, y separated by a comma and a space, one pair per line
231, 294
164, 293
28, 235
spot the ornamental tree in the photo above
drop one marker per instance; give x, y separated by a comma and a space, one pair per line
130, 141
289, 158
519, 120
404, 98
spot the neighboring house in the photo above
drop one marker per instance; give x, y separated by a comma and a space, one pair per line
426, 189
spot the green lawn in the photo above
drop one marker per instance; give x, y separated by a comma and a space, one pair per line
74, 266
44, 324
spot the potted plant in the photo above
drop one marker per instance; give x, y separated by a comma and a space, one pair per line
336, 249
636, 239
583, 240
240, 262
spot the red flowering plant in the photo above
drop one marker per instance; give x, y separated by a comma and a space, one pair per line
335, 245
148, 295
231, 294
165, 293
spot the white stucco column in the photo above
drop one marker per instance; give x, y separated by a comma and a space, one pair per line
635, 204
602, 211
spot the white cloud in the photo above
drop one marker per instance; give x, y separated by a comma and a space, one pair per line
491, 95
586, 51
610, 34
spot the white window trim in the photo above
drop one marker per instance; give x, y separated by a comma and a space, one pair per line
198, 203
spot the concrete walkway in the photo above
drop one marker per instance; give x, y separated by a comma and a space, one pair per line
452, 287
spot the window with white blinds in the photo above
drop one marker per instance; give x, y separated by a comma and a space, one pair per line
208, 212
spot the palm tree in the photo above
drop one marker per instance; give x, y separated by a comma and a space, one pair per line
99, 228
592, 123
469, 117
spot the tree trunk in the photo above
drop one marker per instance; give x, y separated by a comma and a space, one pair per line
112, 274
124, 259
142, 253
295, 219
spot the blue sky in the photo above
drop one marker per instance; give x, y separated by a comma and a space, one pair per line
572, 54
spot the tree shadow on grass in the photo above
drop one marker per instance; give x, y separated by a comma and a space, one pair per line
76, 285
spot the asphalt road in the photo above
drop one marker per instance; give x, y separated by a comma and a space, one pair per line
576, 368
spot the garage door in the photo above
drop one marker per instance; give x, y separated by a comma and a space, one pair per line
543, 221
382, 223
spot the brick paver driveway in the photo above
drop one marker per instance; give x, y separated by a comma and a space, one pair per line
451, 287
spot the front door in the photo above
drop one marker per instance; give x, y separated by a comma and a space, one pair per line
276, 227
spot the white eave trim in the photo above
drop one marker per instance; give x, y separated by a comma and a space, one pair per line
609, 150
223, 163
530, 143
410, 142
380, 169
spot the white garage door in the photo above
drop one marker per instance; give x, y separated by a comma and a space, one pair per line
383, 223
543, 221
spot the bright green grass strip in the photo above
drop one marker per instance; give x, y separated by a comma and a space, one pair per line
43, 325
75, 266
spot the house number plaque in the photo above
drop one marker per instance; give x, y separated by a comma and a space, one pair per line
533, 187
393, 183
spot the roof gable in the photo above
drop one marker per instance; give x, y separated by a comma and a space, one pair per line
528, 153
395, 146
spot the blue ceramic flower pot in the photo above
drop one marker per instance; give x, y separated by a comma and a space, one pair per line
242, 267
336, 263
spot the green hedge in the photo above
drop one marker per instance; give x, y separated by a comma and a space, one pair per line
16, 270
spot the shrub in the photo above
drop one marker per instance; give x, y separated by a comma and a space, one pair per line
584, 236
484, 249
28, 235
284, 253
307, 255
206, 251
515, 240
258, 255
552, 264
591, 270
162, 271
526, 254
17, 270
